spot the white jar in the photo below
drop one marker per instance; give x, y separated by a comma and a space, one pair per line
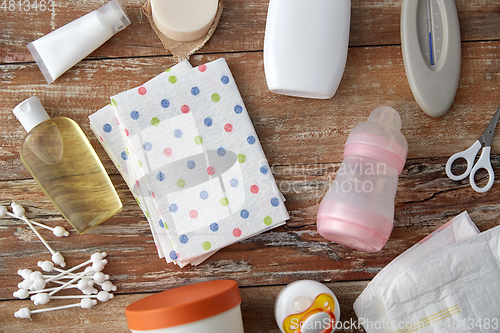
212, 306
306, 306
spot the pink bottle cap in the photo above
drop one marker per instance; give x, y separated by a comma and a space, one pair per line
353, 226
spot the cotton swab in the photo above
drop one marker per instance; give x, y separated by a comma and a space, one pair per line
43, 298
93, 258
58, 231
40, 283
21, 293
35, 282
32, 285
26, 284
25, 273
19, 211
67, 276
85, 303
87, 286
108, 286
24, 293
79, 276
48, 266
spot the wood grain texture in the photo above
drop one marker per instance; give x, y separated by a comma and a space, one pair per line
426, 199
241, 27
291, 130
303, 140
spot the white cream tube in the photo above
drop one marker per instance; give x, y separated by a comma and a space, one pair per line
60, 50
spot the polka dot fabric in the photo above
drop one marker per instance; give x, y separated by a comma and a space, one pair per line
190, 141
118, 148
113, 138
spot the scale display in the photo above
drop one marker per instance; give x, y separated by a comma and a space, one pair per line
430, 30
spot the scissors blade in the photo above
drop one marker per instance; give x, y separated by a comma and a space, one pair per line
488, 134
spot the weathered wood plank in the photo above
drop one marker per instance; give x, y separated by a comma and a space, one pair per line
303, 140
426, 199
257, 309
300, 130
241, 27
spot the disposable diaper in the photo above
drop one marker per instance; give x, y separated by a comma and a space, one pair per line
447, 283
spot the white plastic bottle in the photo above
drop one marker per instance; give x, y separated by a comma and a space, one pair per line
60, 50
305, 46
358, 209
64, 164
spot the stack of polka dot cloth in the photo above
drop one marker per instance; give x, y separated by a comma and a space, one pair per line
186, 147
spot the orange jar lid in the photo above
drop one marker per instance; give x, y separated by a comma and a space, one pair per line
183, 305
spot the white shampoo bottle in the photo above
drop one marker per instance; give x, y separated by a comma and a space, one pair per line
305, 46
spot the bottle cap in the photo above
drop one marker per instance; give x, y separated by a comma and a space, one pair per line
306, 306
183, 305
185, 20
30, 113
113, 16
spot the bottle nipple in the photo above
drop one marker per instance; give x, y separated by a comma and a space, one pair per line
386, 115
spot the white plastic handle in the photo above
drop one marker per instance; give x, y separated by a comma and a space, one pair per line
483, 163
469, 155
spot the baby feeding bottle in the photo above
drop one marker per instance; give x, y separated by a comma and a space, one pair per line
306, 306
358, 209
64, 164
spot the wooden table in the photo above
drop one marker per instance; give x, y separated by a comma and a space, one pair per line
303, 140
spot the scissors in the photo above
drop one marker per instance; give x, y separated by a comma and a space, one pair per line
470, 155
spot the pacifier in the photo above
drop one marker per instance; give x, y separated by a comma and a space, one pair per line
306, 306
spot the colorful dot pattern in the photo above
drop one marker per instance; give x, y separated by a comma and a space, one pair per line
165, 103
204, 113
183, 239
236, 232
